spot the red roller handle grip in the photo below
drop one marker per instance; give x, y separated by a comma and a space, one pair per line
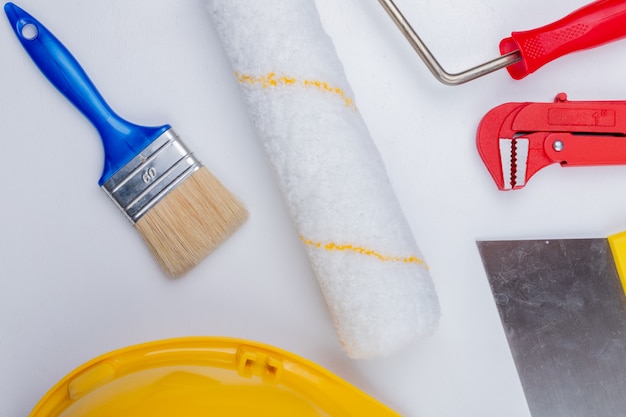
592, 25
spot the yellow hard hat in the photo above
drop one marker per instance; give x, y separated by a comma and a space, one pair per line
201, 377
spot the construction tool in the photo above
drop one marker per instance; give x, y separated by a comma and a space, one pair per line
525, 52
180, 209
515, 140
563, 310
375, 281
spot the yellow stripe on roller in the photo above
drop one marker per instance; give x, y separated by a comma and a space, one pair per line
272, 80
334, 247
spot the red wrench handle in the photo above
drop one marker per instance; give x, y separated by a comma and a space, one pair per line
595, 24
585, 150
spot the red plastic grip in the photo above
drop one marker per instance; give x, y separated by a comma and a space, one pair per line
590, 26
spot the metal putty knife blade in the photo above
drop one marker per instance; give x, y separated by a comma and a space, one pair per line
563, 310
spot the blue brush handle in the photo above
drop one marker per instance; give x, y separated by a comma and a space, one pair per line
121, 139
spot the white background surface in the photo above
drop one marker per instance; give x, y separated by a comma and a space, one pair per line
77, 281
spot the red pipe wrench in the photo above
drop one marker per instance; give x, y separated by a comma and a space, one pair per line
515, 140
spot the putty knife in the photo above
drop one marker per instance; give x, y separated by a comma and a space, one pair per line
563, 309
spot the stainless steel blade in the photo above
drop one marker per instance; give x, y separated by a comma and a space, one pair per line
564, 314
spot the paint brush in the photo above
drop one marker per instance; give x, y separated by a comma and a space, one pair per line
180, 209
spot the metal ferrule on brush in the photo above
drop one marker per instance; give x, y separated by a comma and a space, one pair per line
151, 175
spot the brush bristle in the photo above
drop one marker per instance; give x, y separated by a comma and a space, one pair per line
191, 221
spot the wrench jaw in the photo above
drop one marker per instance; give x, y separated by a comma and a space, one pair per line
512, 151
522, 157
494, 142
514, 163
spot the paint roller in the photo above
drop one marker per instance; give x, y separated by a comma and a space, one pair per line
371, 272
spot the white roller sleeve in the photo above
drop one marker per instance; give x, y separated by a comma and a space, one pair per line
370, 270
